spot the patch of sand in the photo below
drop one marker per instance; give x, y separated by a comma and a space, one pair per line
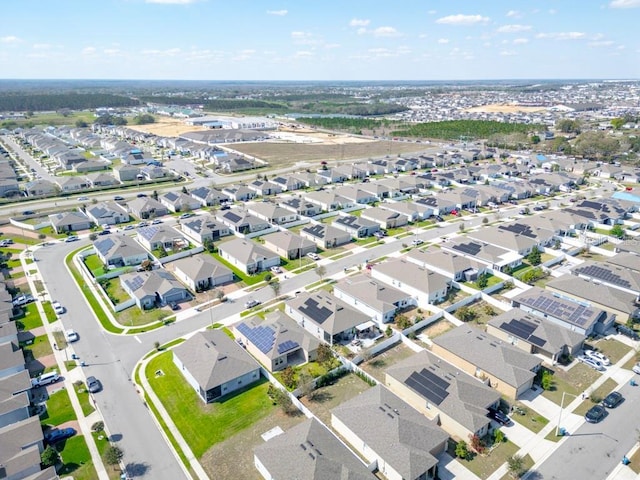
505, 108
167, 127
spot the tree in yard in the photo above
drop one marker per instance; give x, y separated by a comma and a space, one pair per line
477, 445
93, 237
617, 231
113, 455
275, 286
284, 400
306, 385
485, 220
617, 123
321, 271
462, 451
498, 436
488, 310
388, 332
546, 380
465, 314
41, 236
208, 245
403, 322
49, 457
289, 377
482, 281
147, 265
324, 354
515, 465
533, 275
534, 257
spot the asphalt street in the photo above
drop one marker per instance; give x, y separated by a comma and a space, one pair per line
594, 450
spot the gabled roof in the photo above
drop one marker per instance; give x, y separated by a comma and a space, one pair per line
328, 312
201, 267
68, 218
145, 204
490, 354
118, 246
393, 429
287, 240
379, 214
483, 251
324, 232
144, 284
212, 358
373, 293
158, 233
614, 275
105, 210
268, 210
460, 396
246, 251
451, 263
354, 222
19, 445
413, 275
310, 451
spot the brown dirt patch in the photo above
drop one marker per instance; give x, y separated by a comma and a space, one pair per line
379, 364
233, 458
167, 127
326, 398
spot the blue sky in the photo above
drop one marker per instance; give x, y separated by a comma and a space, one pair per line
320, 40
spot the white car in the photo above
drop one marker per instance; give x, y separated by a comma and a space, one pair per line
636, 368
313, 256
590, 362
71, 238
417, 241
71, 335
598, 356
59, 309
83, 199
276, 270
157, 221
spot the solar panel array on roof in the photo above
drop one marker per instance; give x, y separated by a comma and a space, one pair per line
314, 311
135, 283
105, 245
569, 312
315, 230
232, 216
524, 330
519, 229
262, 337
429, 385
148, 232
470, 248
594, 205
287, 345
604, 274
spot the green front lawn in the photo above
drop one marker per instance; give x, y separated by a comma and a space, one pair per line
114, 290
246, 278
531, 419
612, 348
48, 311
83, 397
134, 316
30, 317
596, 396
59, 409
39, 348
203, 425
76, 459
94, 264
484, 465
573, 383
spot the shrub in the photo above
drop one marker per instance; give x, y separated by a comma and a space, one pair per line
331, 377
97, 427
462, 451
49, 457
477, 444
498, 436
289, 377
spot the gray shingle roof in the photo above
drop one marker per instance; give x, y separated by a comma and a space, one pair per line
371, 292
118, 246
201, 267
413, 275
148, 283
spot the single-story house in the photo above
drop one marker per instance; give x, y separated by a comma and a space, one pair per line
385, 218
277, 342
126, 173
240, 193
179, 202
70, 221
11, 359
248, 256
452, 265
214, 365
107, 213
22, 445
155, 237
146, 207
326, 317
204, 228
506, 368
357, 227
15, 398
38, 188
535, 334
374, 298
289, 245
241, 221
100, 179
150, 289
208, 196
301, 207
272, 213
119, 251
390, 434
325, 236
201, 272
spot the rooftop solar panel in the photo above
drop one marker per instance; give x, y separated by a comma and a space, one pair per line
287, 345
429, 385
315, 312
232, 217
468, 248
262, 337
604, 274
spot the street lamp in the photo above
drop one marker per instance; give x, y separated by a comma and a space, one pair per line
561, 407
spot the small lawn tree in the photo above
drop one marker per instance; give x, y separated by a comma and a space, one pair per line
324, 355
113, 455
534, 256
482, 281
321, 271
465, 314
49, 457
289, 377
462, 451
617, 231
515, 465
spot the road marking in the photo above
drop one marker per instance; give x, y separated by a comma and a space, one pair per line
136, 337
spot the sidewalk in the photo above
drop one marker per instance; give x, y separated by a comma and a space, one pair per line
69, 377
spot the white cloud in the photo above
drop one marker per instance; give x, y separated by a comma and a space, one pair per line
386, 32
562, 35
432, 12
514, 28
553, 11
423, 35
41, 46
332, 45
89, 51
172, 2
362, 31
10, 39
359, 22
507, 53
601, 43
461, 19
443, 41
303, 54
625, 4
170, 52
520, 41
514, 14
279, 13
112, 52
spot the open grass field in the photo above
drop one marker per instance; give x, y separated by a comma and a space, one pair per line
282, 154
202, 425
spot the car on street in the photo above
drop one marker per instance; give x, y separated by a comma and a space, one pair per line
57, 434
499, 417
157, 221
185, 215
28, 212
598, 356
276, 269
251, 303
141, 195
71, 335
417, 241
595, 414
93, 384
104, 232
71, 238
225, 207
143, 224
129, 227
118, 198
613, 400
57, 307
313, 256
590, 362
636, 368
627, 332
83, 199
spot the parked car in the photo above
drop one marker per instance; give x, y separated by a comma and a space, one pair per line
225, 207
57, 307
313, 256
23, 299
104, 232
590, 362
143, 224
6, 242
28, 212
129, 227
174, 306
57, 434
627, 332
118, 198
598, 356
613, 400
499, 417
141, 195
276, 269
186, 215
595, 414
636, 368
71, 336
417, 241
83, 199
93, 384
45, 379
251, 303
157, 221
71, 238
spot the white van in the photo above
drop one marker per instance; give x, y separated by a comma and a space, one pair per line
45, 379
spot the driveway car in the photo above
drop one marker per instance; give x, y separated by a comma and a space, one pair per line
56, 434
23, 299
313, 256
104, 232
174, 306
157, 221
499, 417
595, 414
627, 332
590, 362
598, 356
636, 368
276, 269
612, 400
129, 227
71, 335
93, 384
57, 307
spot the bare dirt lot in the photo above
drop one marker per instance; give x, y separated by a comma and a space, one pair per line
506, 108
278, 154
167, 127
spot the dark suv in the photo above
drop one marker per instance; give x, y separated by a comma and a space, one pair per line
627, 332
